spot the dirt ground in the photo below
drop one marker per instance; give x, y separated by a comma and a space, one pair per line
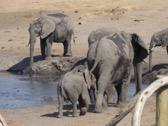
144, 17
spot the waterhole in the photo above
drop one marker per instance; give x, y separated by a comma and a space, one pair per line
17, 91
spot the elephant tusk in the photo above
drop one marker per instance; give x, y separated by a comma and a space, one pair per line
145, 62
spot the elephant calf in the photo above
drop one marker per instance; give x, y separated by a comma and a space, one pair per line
74, 87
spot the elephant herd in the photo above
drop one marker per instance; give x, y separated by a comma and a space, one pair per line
111, 58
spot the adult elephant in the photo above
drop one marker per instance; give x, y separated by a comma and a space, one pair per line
114, 55
51, 28
158, 39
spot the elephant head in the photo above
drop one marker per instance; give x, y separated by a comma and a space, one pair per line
158, 39
41, 27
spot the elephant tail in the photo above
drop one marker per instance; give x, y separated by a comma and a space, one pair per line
61, 91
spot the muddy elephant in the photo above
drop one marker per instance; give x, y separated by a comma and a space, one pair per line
75, 86
51, 28
115, 55
158, 39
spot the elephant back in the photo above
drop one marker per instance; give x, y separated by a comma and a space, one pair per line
97, 35
120, 42
62, 27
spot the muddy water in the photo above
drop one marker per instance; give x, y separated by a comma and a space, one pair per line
24, 91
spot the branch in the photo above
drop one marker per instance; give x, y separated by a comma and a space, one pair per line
125, 112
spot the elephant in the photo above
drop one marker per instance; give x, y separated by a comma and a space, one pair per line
158, 39
112, 58
75, 86
51, 28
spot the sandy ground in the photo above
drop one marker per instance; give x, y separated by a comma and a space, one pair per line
144, 17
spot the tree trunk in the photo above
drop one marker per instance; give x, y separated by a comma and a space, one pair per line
162, 107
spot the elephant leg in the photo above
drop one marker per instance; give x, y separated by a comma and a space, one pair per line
83, 103
103, 81
92, 97
69, 52
118, 89
43, 46
138, 76
73, 96
31, 54
60, 102
49, 45
75, 114
110, 93
67, 48
124, 87
105, 103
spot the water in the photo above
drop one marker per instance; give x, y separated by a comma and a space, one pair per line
131, 90
23, 91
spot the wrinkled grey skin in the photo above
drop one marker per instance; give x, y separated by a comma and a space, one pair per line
115, 56
93, 39
51, 28
158, 39
75, 86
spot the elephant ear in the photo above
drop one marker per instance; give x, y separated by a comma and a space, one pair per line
139, 47
87, 78
48, 26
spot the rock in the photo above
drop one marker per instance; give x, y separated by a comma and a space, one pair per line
56, 65
76, 11
149, 77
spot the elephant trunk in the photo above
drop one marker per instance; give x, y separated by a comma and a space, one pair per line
150, 60
150, 57
32, 43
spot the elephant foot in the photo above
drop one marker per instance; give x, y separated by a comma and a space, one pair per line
68, 54
43, 56
122, 105
48, 58
98, 109
59, 115
75, 115
83, 111
105, 104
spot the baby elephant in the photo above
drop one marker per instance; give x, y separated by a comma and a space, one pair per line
75, 86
